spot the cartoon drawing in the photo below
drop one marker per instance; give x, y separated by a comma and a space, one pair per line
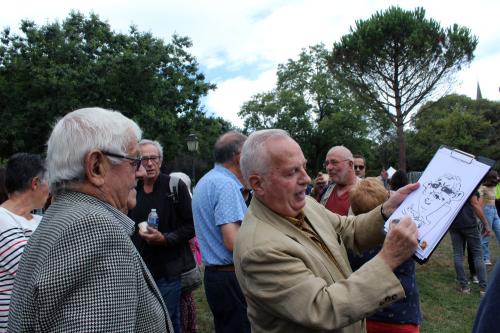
436, 200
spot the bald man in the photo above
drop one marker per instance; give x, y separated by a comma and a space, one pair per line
290, 253
339, 163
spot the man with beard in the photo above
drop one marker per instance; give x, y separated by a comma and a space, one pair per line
339, 164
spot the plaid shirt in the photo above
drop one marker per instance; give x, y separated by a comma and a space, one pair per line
80, 272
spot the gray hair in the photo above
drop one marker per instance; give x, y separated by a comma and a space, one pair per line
158, 146
80, 131
254, 158
343, 151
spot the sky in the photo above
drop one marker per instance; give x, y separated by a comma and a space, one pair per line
239, 43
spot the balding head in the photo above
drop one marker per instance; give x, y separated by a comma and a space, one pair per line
340, 166
227, 146
342, 152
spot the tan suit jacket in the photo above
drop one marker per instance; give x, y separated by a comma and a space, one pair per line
291, 285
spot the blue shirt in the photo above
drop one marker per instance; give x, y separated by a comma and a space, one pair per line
217, 200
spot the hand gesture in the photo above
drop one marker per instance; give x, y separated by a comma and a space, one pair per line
400, 242
153, 236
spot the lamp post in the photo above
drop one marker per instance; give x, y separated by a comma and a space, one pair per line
192, 144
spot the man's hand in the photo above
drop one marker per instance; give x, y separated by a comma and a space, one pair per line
319, 184
400, 242
153, 237
397, 198
487, 231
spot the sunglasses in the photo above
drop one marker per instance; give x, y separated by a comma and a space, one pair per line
360, 167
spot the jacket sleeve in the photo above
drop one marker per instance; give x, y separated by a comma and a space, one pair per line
278, 281
184, 216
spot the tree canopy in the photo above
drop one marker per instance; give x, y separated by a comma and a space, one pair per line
456, 121
398, 59
47, 71
312, 106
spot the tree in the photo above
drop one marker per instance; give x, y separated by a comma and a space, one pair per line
456, 121
398, 59
310, 104
48, 71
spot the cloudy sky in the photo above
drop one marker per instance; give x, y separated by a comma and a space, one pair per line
239, 43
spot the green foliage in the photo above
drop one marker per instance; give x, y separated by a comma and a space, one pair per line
457, 121
312, 106
48, 71
397, 59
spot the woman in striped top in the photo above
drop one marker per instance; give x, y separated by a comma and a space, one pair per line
27, 189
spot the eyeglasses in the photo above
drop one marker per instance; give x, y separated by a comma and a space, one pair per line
136, 162
360, 167
334, 162
154, 159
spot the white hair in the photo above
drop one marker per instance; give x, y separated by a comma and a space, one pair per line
80, 131
154, 143
254, 158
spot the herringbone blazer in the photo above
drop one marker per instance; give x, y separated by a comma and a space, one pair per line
81, 273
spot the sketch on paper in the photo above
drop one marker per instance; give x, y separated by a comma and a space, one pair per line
435, 202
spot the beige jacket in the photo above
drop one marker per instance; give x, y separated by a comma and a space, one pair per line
292, 286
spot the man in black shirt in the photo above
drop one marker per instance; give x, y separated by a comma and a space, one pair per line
165, 251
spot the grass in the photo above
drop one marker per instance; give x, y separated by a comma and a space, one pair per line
444, 309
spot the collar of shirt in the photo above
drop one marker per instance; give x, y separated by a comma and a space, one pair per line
297, 221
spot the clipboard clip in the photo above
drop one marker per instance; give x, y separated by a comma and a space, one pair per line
462, 156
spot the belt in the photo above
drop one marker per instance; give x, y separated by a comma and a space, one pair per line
220, 268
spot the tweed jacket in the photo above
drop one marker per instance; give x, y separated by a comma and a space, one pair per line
80, 272
290, 283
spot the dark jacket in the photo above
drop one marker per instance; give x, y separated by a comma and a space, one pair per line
175, 222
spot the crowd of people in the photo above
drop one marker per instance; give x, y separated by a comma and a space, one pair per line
274, 257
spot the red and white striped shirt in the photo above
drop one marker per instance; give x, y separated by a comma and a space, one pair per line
15, 231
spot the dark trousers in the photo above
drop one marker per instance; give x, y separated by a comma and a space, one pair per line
226, 302
458, 239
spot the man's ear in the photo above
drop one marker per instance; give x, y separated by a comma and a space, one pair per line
34, 183
255, 183
95, 167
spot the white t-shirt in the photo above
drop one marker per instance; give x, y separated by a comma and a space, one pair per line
15, 231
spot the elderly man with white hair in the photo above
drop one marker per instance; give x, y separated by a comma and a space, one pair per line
80, 270
290, 253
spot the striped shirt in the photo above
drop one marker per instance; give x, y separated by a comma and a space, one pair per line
15, 231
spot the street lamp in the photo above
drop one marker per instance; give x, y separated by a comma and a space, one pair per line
192, 144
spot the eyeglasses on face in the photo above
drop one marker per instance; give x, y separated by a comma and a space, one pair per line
334, 162
153, 159
360, 167
135, 161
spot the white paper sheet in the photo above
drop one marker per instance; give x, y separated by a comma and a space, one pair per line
445, 185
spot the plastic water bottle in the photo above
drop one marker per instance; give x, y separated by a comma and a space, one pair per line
153, 219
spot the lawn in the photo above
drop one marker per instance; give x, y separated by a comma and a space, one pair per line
444, 309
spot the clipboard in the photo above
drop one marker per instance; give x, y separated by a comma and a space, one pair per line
446, 184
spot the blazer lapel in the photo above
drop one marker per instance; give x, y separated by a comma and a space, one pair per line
286, 227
